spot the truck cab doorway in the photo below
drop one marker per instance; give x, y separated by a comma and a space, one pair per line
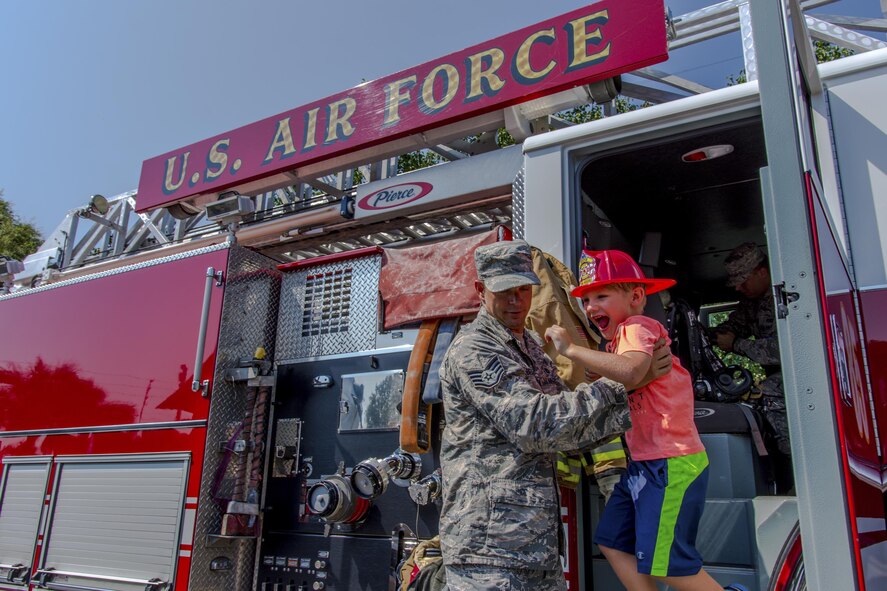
699, 209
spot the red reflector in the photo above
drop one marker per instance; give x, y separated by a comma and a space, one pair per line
695, 156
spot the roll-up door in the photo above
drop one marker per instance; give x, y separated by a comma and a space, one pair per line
22, 491
115, 523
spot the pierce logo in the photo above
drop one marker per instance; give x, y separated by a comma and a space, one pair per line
395, 195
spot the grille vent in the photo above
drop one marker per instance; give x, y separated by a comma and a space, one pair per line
327, 302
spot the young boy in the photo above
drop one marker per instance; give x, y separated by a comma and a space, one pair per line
648, 527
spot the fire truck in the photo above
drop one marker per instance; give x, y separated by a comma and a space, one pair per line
228, 378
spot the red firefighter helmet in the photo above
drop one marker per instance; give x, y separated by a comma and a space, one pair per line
598, 268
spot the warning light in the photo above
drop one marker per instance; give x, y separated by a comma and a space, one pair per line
707, 153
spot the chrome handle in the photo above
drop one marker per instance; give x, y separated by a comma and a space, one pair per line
12, 569
199, 385
42, 576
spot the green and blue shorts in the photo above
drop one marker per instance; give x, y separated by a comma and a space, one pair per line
654, 513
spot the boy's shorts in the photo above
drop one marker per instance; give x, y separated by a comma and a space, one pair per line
654, 514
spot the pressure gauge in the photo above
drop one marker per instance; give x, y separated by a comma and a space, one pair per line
333, 500
323, 498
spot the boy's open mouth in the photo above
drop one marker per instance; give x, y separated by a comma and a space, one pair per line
602, 321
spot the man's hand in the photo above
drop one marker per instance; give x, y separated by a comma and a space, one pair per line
724, 340
591, 376
660, 365
559, 337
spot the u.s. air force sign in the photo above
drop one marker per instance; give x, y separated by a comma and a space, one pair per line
591, 43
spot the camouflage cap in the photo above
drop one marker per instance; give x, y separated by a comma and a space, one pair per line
504, 265
740, 263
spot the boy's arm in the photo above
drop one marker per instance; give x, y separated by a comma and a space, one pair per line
628, 369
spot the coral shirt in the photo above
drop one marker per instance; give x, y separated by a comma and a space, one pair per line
661, 411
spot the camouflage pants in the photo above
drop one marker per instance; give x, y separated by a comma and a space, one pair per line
772, 405
476, 577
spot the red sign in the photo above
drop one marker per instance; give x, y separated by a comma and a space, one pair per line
592, 43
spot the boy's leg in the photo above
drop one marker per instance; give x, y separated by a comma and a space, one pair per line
626, 567
615, 534
701, 581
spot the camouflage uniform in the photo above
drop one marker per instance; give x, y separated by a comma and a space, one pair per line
507, 412
482, 578
757, 318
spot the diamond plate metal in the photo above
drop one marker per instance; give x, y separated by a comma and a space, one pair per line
518, 205
329, 308
117, 271
249, 320
289, 434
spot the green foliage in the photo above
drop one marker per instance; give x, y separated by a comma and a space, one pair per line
592, 112
416, 160
581, 114
732, 358
18, 239
827, 52
503, 138
740, 78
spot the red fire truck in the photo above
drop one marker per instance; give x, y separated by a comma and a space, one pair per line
227, 379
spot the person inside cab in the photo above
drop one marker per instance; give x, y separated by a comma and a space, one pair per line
750, 330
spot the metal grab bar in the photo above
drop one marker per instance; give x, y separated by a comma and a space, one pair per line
199, 385
41, 576
13, 569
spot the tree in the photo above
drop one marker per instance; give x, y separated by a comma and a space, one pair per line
580, 114
417, 160
827, 52
18, 239
824, 51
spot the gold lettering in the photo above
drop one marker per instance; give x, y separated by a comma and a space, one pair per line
451, 86
283, 140
581, 37
394, 98
523, 70
217, 159
339, 119
168, 185
310, 129
477, 74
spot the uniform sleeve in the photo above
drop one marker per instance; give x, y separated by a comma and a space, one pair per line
531, 420
760, 350
740, 322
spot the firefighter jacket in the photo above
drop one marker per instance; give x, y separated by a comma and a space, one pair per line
553, 305
507, 413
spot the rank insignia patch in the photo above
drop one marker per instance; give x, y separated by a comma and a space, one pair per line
490, 376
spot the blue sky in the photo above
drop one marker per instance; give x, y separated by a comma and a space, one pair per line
90, 89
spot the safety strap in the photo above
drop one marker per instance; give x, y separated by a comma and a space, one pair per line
415, 414
755, 430
448, 328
